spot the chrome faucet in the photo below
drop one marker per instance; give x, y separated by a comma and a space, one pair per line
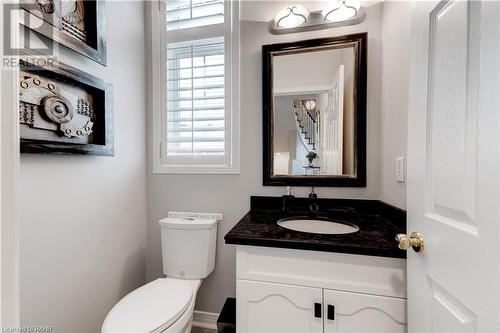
313, 205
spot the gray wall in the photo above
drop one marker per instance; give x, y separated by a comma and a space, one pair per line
285, 127
83, 218
229, 194
395, 84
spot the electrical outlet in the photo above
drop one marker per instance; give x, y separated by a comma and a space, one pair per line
400, 169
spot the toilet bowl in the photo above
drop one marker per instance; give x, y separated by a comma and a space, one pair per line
167, 304
163, 305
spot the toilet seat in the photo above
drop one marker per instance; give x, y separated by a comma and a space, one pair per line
153, 307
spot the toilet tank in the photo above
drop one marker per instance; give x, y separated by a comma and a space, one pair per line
188, 242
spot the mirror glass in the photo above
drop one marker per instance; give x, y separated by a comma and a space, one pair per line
314, 112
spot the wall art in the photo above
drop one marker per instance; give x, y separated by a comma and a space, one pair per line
64, 110
76, 24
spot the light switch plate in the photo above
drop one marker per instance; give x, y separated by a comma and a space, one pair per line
400, 169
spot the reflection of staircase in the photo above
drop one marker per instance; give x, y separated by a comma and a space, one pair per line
307, 126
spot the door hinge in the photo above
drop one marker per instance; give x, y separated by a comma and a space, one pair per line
161, 149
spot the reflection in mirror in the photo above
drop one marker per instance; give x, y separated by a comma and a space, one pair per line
314, 112
313, 97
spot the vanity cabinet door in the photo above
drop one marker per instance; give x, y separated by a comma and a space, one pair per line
263, 307
351, 312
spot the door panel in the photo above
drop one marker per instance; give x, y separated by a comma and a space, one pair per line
453, 167
364, 313
271, 307
452, 114
448, 314
332, 123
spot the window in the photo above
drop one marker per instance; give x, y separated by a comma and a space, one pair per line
183, 14
196, 94
195, 98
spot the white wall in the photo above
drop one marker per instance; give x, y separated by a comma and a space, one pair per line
305, 72
284, 125
9, 172
395, 80
83, 218
230, 194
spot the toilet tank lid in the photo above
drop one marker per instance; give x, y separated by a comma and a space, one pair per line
187, 223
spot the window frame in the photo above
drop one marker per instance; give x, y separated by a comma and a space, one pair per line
231, 93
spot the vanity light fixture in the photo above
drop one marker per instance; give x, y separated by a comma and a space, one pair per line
341, 10
291, 17
298, 19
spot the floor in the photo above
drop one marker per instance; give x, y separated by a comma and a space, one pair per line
202, 330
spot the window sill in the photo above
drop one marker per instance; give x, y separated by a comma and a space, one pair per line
195, 169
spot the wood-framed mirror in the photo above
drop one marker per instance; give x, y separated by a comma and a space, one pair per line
314, 112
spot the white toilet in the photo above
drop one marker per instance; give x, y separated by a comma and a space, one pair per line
167, 304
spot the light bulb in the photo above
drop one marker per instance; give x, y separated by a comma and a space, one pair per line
310, 105
341, 10
291, 17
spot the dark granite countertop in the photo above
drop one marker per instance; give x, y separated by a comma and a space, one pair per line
378, 225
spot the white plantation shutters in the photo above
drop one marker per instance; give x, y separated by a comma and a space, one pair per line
197, 127
195, 98
195, 73
184, 14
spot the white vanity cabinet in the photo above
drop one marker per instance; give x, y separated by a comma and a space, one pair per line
295, 291
273, 307
353, 312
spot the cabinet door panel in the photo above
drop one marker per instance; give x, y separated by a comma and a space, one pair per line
263, 307
364, 313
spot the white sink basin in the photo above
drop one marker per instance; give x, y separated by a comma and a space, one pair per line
317, 226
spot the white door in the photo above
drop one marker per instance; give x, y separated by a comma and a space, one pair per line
346, 312
453, 167
338, 95
264, 307
333, 125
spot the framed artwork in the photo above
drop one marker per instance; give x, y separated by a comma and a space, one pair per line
63, 110
76, 24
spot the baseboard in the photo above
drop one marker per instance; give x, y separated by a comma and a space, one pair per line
205, 319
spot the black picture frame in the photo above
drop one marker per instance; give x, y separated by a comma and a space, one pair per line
95, 46
359, 42
103, 105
